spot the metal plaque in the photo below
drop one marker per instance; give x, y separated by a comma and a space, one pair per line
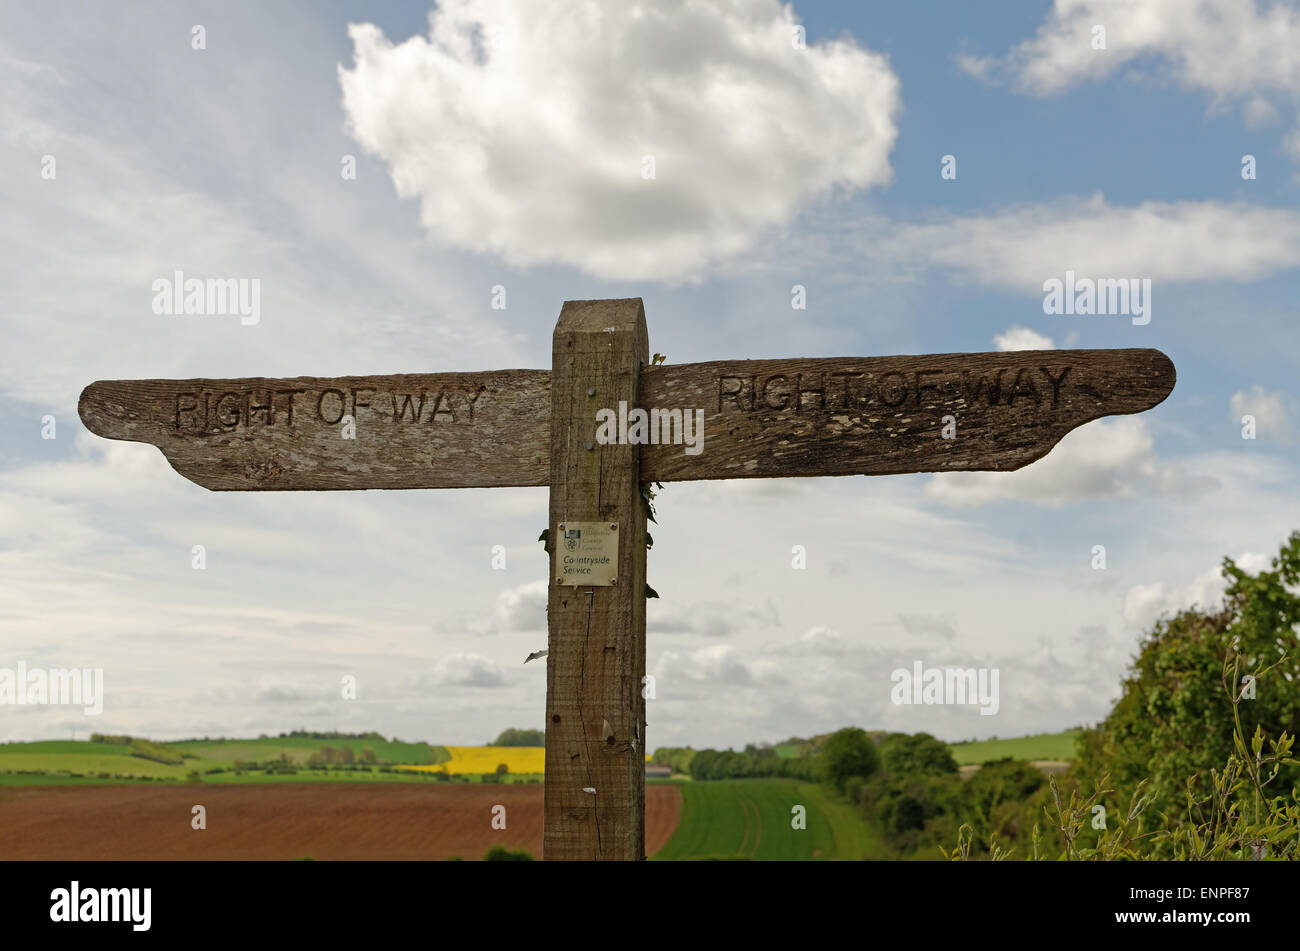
586, 553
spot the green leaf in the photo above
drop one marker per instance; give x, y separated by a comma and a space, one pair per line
651, 592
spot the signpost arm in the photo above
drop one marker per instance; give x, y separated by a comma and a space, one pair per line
595, 710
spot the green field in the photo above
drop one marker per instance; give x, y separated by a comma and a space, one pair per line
299, 748
64, 746
1041, 746
56, 762
751, 819
91, 762
54, 779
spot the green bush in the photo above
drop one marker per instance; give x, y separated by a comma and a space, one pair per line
517, 737
1167, 729
916, 754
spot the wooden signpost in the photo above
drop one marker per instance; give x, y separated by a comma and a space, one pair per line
595, 427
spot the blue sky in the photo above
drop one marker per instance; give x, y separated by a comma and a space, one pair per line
822, 171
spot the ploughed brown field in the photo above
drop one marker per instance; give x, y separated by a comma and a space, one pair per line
285, 821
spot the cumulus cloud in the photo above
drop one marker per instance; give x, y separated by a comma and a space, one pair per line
718, 664
1022, 338
521, 609
467, 670
1233, 51
1106, 458
522, 128
823, 640
1273, 412
1145, 603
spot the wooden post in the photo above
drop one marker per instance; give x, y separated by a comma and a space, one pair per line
764, 418
595, 710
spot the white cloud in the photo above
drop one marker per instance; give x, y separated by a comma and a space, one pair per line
1022, 246
467, 670
518, 609
522, 608
521, 127
717, 664
97, 535
1233, 51
981, 67
1273, 412
1106, 458
1291, 144
1227, 48
1018, 247
711, 618
821, 639
1145, 603
1022, 338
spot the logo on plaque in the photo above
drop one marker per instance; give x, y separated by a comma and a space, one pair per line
589, 555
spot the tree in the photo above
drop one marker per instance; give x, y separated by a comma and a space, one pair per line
918, 754
847, 753
702, 764
368, 755
516, 737
676, 758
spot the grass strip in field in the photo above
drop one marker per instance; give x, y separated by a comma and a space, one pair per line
1042, 746
752, 819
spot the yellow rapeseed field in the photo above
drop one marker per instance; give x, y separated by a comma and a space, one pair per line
484, 759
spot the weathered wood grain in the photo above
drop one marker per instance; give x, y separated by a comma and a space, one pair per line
595, 710
881, 415
852, 416
437, 430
